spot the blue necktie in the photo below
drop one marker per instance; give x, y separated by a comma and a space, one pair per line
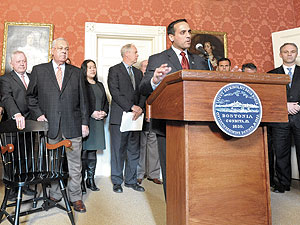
291, 75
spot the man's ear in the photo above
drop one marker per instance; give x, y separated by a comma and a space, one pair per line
171, 37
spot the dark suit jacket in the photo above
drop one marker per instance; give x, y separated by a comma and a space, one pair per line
92, 98
122, 92
13, 94
168, 56
293, 92
65, 109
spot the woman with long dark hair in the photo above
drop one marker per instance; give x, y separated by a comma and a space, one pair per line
98, 108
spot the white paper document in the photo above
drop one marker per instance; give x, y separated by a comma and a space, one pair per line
128, 124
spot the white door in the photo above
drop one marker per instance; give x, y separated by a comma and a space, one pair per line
103, 43
278, 39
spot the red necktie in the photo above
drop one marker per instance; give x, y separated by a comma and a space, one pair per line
184, 62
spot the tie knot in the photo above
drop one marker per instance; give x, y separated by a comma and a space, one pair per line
182, 54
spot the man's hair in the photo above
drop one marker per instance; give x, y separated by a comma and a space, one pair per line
16, 53
223, 59
58, 39
248, 65
285, 44
170, 29
125, 49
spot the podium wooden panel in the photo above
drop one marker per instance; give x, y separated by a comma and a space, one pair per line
213, 178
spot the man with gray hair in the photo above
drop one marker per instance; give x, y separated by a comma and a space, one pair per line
13, 92
56, 93
123, 83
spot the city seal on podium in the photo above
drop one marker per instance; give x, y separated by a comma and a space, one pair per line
237, 110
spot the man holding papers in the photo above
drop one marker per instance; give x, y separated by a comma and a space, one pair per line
123, 83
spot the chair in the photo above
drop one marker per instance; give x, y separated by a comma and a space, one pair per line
29, 160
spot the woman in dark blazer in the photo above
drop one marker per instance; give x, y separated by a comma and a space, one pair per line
98, 110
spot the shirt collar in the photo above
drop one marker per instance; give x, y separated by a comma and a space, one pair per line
286, 68
62, 66
177, 51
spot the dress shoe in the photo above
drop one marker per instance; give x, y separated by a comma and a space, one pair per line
279, 188
139, 181
79, 206
12, 196
287, 188
135, 187
55, 200
117, 188
28, 191
155, 180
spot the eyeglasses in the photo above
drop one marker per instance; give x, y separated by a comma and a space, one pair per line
62, 48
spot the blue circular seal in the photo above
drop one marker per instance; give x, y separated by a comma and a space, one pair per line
237, 110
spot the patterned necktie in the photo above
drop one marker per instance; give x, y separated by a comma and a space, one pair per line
291, 75
131, 76
23, 80
59, 76
184, 62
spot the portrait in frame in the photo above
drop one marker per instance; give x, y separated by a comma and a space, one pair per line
34, 39
214, 44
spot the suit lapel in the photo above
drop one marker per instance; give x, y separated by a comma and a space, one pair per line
136, 78
126, 75
174, 59
67, 76
17, 79
296, 76
191, 61
52, 75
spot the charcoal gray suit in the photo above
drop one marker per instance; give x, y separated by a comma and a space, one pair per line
158, 126
66, 111
13, 94
125, 145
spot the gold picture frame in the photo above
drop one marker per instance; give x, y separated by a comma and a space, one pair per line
34, 39
217, 48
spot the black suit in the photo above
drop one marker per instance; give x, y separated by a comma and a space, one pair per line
168, 56
283, 132
13, 94
66, 111
125, 145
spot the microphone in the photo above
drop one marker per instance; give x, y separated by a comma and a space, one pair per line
200, 48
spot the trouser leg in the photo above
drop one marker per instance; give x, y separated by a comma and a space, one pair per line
141, 168
282, 146
133, 154
153, 156
161, 144
117, 155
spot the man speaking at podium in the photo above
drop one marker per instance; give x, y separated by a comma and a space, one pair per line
169, 61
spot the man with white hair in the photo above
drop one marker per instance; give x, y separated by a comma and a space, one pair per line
123, 83
56, 93
13, 92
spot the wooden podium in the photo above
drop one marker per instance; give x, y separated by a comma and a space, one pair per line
213, 178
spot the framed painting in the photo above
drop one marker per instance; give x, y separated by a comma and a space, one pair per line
213, 43
34, 39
